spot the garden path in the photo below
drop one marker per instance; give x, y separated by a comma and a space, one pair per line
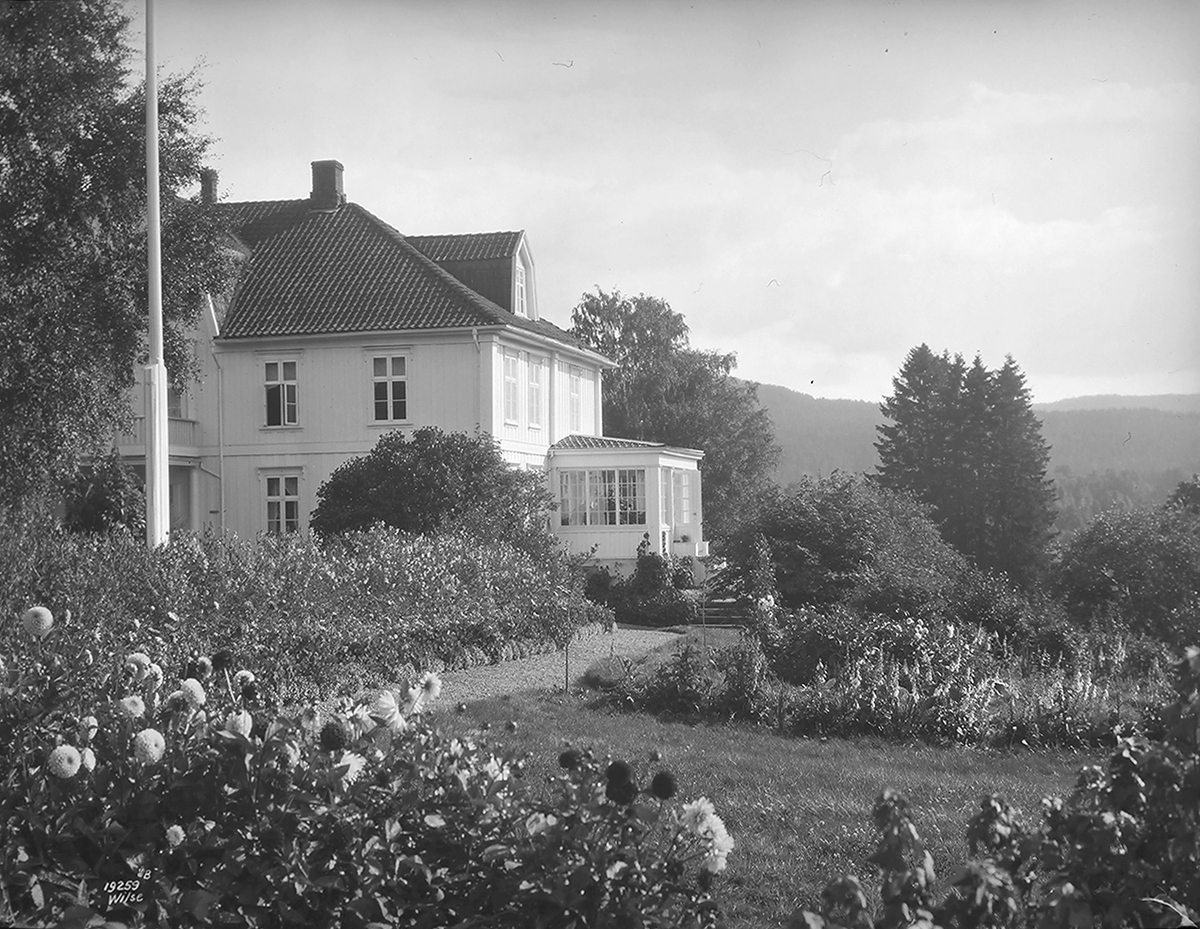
545, 672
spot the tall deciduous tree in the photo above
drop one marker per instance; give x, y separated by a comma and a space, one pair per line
73, 234
666, 391
965, 441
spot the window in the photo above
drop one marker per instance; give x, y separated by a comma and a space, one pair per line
683, 496
573, 510
174, 403
603, 497
575, 393
389, 388
510, 387
631, 497
281, 393
520, 303
535, 391
283, 503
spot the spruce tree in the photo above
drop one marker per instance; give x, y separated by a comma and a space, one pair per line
966, 443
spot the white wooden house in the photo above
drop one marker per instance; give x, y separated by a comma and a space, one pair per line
339, 328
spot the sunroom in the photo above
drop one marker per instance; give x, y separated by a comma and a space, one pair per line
613, 493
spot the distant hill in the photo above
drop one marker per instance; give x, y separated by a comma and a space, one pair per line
1171, 403
1147, 435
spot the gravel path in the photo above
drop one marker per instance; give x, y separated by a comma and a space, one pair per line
545, 672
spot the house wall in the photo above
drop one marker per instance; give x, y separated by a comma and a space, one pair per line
453, 382
616, 546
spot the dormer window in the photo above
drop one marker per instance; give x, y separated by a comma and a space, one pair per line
519, 304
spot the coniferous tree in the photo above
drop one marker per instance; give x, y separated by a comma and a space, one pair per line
966, 443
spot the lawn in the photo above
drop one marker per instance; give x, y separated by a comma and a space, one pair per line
798, 809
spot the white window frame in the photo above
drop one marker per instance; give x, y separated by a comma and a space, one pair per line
512, 394
575, 398
681, 480
520, 303
276, 485
612, 497
534, 392
391, 379
288, 400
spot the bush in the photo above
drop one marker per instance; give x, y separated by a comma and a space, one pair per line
106, 496
660, 592
437, 480
843, 539
1140, 566
205, 807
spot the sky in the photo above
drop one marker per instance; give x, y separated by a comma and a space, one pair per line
816, 186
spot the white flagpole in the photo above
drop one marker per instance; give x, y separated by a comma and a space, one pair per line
158, 517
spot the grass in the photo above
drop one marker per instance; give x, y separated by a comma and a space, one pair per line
798, 809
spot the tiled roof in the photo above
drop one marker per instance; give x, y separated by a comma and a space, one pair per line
473, 246
602, 441
346, 270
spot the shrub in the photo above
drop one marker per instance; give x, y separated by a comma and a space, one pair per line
433, 480
106, 495
203, 806
660, 592
843, 539
1142, 566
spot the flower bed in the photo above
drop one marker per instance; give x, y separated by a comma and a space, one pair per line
370, 608
200, 806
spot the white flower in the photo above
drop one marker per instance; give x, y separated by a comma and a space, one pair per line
175, 836
720, 845
431, 685
412, 700
360, 719
139, 664
154, 677
354, 764
241, 679
387, 711
239, 722
88, 727
148, 746
38, 621
696, 814
87, 758
132, 707
193, 692
538, 823
64, 762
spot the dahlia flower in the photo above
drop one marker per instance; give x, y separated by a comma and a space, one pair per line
354, 764
38, 621
431, 685
132, 706
64, 762
175, 836
148, 746
241, 679
139, 664
193, 692
239, 722
387, 711
88, 727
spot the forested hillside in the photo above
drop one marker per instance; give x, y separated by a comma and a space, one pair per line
1131, 453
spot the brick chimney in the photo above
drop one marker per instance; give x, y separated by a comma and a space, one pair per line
327, 186
208, 185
